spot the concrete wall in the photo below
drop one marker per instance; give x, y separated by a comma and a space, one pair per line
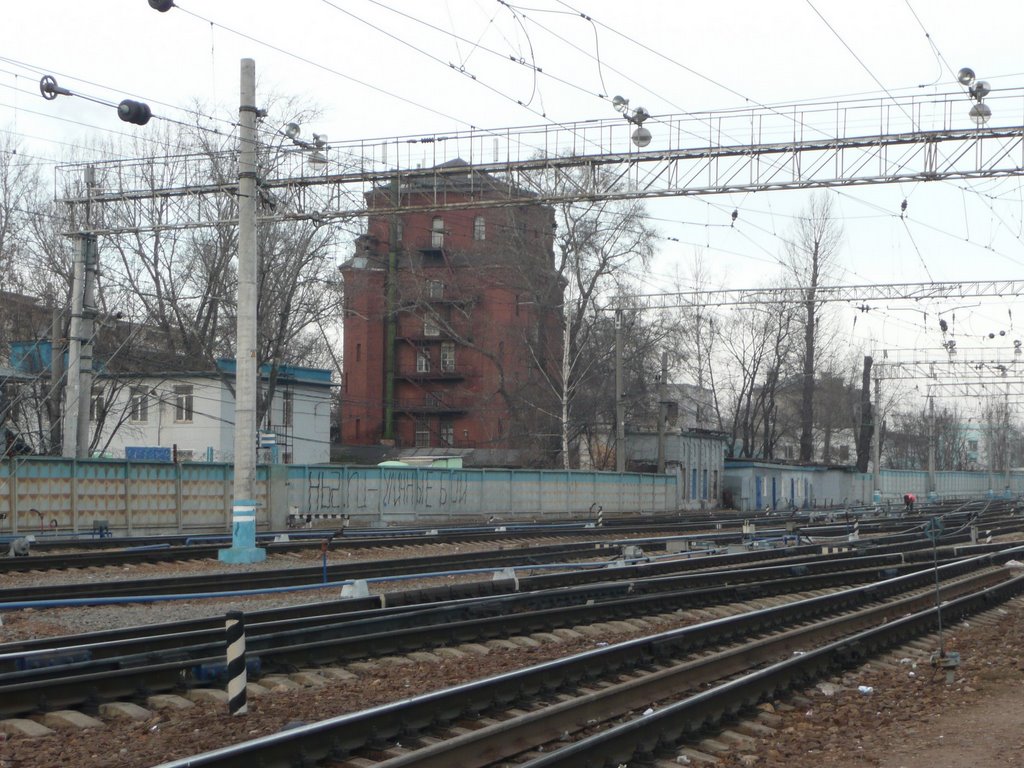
757, 485
40, 494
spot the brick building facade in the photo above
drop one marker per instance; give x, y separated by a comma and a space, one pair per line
452, 327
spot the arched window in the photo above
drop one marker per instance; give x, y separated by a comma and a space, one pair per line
479, 228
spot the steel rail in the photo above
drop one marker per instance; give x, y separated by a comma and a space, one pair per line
308, 744
313, 641
621, 744
69, 686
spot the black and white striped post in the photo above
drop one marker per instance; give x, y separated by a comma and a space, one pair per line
235, 630
600, 516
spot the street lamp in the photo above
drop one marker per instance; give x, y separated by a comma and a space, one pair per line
641, 137
980, 112
317, 147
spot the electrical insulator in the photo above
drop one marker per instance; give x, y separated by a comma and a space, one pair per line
136, 112
161, 5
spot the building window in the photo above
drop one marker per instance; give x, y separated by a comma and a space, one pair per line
97, 408
714, 484
479, 228
693, 483
422, 361
183, 403
359, 352
435, 289
422, 433
430, 327
704, 484
399, 231
437, 232
448, 357
447, 433
432, 399
287, 408
139, 405
12, 396
358, 424
972, 446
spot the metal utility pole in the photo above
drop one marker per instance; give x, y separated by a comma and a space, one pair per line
620, 404
243, 510
876, 470
662, 411
391, 314
56, 378
83, 312
931, 446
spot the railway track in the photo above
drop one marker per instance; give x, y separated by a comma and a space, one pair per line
635, 699
117, 552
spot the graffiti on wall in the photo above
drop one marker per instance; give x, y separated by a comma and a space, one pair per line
332, 491
402, 488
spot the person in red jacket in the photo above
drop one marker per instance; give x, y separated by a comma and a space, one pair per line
908, 502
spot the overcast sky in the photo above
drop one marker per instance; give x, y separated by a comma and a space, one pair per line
399, 67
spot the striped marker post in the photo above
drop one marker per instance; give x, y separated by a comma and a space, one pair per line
235, 631
600, 517
243, 547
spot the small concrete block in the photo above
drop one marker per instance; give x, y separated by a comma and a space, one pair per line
424, 657
639, 623
168, 701
737, 739
697, 757
525, 642
70, 719
124, 710
282, 682
567, 634
755, 729
546, 637
450, 653
396, 661
770, 719
477, 648
623, 626
17, 726
307, 679
715, 747
364, 667
589, 630
252, 690
501, 644
337, 673
211, 695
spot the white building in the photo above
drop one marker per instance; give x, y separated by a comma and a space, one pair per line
190, 416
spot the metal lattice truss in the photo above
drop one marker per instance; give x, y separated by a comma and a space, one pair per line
819, 144
981, 388
994, 369
857, 294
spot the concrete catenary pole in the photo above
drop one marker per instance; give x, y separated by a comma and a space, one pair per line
79, 388
243, 510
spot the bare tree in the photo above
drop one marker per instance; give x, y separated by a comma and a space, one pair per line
810, 255
598, 246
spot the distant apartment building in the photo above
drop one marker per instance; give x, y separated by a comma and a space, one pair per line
452, 326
